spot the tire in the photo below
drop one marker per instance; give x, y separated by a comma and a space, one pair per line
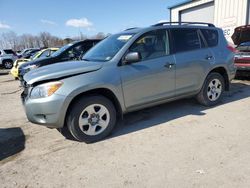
212, 90
65, 132
97, 115
7, 64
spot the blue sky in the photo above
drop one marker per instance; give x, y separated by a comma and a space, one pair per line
65, 18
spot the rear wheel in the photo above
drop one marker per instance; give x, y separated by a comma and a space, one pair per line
91, 118
8, 64
212, 90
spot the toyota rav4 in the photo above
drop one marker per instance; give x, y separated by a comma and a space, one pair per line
128, 71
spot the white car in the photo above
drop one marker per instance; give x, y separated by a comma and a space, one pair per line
7, 58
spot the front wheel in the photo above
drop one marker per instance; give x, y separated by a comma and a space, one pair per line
212, 90
91, 118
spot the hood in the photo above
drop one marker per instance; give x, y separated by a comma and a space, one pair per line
60, 70
34, 62
241, 34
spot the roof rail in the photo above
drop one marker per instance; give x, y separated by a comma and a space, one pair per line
131, 28
184, 23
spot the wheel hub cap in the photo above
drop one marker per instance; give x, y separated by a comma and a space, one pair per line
214, 90
94, 119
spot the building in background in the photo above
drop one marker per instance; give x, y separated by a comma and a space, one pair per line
226, 14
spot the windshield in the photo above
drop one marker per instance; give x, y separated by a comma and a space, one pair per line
34, 55
62, 49
108, 48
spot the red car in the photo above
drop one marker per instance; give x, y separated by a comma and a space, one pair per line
241, 39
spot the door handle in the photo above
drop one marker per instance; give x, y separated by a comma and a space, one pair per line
169, 65
209, 57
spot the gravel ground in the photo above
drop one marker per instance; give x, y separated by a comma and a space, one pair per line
179, 144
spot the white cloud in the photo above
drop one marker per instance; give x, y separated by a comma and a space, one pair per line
4, 26
82, 22
49, 22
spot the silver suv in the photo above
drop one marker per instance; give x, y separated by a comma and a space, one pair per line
7, 58
128, 71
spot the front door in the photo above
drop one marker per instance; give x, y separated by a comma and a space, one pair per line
153, 78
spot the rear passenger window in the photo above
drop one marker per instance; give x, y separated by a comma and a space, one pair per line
186, 39
211, 36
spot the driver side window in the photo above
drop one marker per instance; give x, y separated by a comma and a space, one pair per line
152, 45
74, 53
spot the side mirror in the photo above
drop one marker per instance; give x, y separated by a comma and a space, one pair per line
132, 57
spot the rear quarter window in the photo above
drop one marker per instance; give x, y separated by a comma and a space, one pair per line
186, 39
211, 36
9, 52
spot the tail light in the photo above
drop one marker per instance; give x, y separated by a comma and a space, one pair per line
232, 49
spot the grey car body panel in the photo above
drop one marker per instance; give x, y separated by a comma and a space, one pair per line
136, 86
63, 70
139, 78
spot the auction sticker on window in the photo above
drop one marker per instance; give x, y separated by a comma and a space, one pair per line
124, 37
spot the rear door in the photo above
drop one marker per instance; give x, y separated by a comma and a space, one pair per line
193, 59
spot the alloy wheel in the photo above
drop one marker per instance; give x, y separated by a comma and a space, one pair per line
214, 89
94, 119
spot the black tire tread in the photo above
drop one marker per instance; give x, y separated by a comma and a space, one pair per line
77, 108
202, 95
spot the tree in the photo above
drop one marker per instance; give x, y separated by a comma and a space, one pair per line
43, 39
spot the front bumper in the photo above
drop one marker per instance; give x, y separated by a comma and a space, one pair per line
49, 111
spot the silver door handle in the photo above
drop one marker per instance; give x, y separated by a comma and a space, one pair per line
169, 65
209, 57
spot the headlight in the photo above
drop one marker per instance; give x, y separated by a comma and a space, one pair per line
45, 90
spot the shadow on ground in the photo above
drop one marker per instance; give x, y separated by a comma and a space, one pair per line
4, 71
12, 141
150, 117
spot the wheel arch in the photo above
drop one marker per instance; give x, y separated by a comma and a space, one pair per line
99, 91
4, 60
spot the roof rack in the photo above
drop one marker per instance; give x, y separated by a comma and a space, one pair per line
131, 28
184, 23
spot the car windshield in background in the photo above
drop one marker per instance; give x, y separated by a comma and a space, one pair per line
62, 49
108, 48
34, 55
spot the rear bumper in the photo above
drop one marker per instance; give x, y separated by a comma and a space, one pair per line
243, 66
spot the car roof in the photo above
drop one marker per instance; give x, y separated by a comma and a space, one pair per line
162, 26
86, 40
49, 49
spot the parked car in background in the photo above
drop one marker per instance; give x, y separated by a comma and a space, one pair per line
128, 71
241, 39
40, 54
30, 53
7, 58
71, 51
24, 51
